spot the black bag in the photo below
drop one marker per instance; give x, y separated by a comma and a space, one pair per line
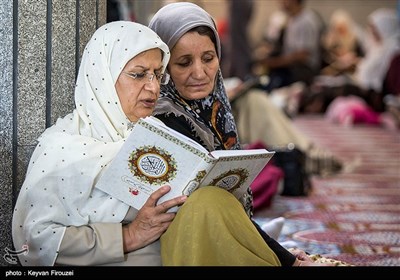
292, 161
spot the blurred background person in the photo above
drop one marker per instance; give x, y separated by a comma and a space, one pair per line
370, 80
299, 56
342, 43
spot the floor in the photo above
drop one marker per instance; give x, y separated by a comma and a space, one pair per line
353, 216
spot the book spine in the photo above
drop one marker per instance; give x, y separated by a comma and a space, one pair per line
198, 175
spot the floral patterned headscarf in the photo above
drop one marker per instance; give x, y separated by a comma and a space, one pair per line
208, 120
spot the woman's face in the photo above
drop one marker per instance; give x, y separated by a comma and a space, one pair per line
138, 96
194, 65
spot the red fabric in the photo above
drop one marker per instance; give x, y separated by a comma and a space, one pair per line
351, 110
265, 186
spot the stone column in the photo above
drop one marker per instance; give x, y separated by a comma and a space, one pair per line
40, 49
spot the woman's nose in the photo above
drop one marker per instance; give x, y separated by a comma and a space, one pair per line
198, 70
152, 85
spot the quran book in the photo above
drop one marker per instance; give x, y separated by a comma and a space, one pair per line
155, 155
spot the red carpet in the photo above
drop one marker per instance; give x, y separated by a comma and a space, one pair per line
354, 216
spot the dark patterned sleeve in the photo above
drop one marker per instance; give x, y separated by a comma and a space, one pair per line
179, 124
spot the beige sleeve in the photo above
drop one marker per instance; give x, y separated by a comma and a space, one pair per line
94, 244
258, 119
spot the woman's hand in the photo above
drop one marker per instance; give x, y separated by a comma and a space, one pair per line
303, 259
151, 221
310, 263
300, 254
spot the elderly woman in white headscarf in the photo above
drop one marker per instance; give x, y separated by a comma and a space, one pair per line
384, 27
60, 218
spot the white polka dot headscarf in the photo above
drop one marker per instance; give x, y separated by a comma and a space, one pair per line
104, 57
59, 188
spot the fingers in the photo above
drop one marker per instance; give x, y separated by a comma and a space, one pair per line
310, 263
155, 196
152, 220
300, 254
166, 205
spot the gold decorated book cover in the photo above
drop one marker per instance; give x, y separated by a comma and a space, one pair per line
155, 155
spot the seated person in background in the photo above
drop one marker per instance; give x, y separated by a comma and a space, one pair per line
370, 73
299, 58
194, 103
259, 119
342, 44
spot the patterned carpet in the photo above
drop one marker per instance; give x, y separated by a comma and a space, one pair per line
354, 216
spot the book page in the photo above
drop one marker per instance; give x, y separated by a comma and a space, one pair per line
235, 173
150, 158
225, 153
160, 125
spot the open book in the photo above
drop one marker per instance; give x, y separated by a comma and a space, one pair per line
155, 155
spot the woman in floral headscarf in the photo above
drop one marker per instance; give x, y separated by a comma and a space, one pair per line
213, 229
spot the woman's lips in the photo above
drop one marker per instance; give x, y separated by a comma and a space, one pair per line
149, 102
198, 86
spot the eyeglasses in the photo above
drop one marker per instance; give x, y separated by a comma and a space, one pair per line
162, 79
